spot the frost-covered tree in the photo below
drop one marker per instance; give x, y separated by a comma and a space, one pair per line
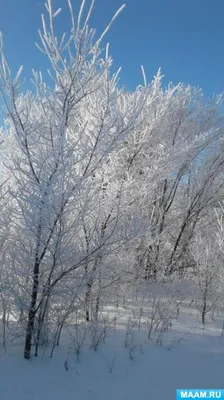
59, 137
102, 189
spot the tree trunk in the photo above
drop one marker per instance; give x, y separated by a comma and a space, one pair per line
41, 318
87, 301
203, 311
32, 312
97, 308
59, 333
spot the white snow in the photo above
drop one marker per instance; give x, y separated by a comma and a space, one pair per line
155, 372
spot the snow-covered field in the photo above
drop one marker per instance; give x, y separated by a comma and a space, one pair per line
190, 357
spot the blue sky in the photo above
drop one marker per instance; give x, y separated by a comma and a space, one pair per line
183, 37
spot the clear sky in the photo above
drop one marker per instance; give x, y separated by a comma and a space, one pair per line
183, 37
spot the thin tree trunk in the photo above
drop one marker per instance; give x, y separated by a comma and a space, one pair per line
40, 324
204, 310
59, 333
87, 301
98, 301
32, 312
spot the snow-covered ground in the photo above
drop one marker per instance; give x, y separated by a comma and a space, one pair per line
190, 357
